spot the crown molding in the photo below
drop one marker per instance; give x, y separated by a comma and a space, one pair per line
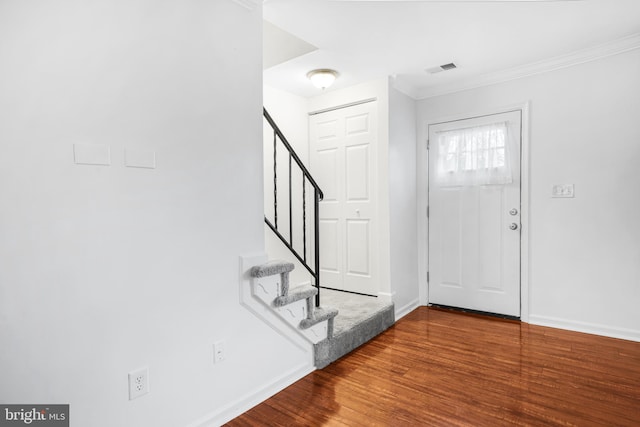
582, 56
401, 86
458, 1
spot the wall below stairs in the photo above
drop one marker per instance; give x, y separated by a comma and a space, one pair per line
106, 269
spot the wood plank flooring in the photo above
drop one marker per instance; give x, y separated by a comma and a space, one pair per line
442, 368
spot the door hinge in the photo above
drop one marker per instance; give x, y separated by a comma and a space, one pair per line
427, 211
427, 277
427, 144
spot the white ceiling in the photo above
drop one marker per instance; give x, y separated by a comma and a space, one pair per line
488, 40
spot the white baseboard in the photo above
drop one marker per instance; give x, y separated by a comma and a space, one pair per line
407, 308
589, 328
240, 406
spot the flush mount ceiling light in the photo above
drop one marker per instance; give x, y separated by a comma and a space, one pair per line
322, 78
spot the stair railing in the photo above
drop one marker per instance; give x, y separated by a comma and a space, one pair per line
307, 253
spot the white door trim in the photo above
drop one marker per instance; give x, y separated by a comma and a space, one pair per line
347, 105
422, 157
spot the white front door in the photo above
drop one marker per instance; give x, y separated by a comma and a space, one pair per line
474, 213
342, 160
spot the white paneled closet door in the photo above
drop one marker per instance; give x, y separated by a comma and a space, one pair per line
342, 160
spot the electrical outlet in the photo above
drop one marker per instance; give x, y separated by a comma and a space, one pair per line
219, 353
138, 383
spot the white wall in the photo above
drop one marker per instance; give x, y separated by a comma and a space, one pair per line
402, 202
291, 114
585, 251
104, 269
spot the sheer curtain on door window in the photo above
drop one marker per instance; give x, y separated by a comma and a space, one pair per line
473, 156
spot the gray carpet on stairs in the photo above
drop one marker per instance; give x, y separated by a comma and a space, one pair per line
360, 318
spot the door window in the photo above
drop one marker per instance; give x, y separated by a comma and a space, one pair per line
473, 156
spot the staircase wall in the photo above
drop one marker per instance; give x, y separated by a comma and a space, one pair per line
290, 113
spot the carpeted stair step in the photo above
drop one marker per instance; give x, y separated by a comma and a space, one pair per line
272, 268
296, 294
320, 314
347, 339
288, 303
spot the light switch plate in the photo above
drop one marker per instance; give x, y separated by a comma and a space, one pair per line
563, 190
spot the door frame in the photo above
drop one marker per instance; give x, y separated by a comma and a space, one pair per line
375, 220
422, 157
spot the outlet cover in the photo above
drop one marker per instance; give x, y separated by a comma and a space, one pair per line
219, 353
138, 383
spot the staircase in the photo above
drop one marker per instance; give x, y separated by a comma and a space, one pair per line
294, 305
334, 332
350, 320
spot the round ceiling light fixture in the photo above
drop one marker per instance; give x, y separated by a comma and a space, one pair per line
322, 78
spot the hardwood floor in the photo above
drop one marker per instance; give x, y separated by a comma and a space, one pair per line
437, 367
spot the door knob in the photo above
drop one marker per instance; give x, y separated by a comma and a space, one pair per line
513, 226
513, 211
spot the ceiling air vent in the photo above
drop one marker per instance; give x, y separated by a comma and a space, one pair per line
440, 68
